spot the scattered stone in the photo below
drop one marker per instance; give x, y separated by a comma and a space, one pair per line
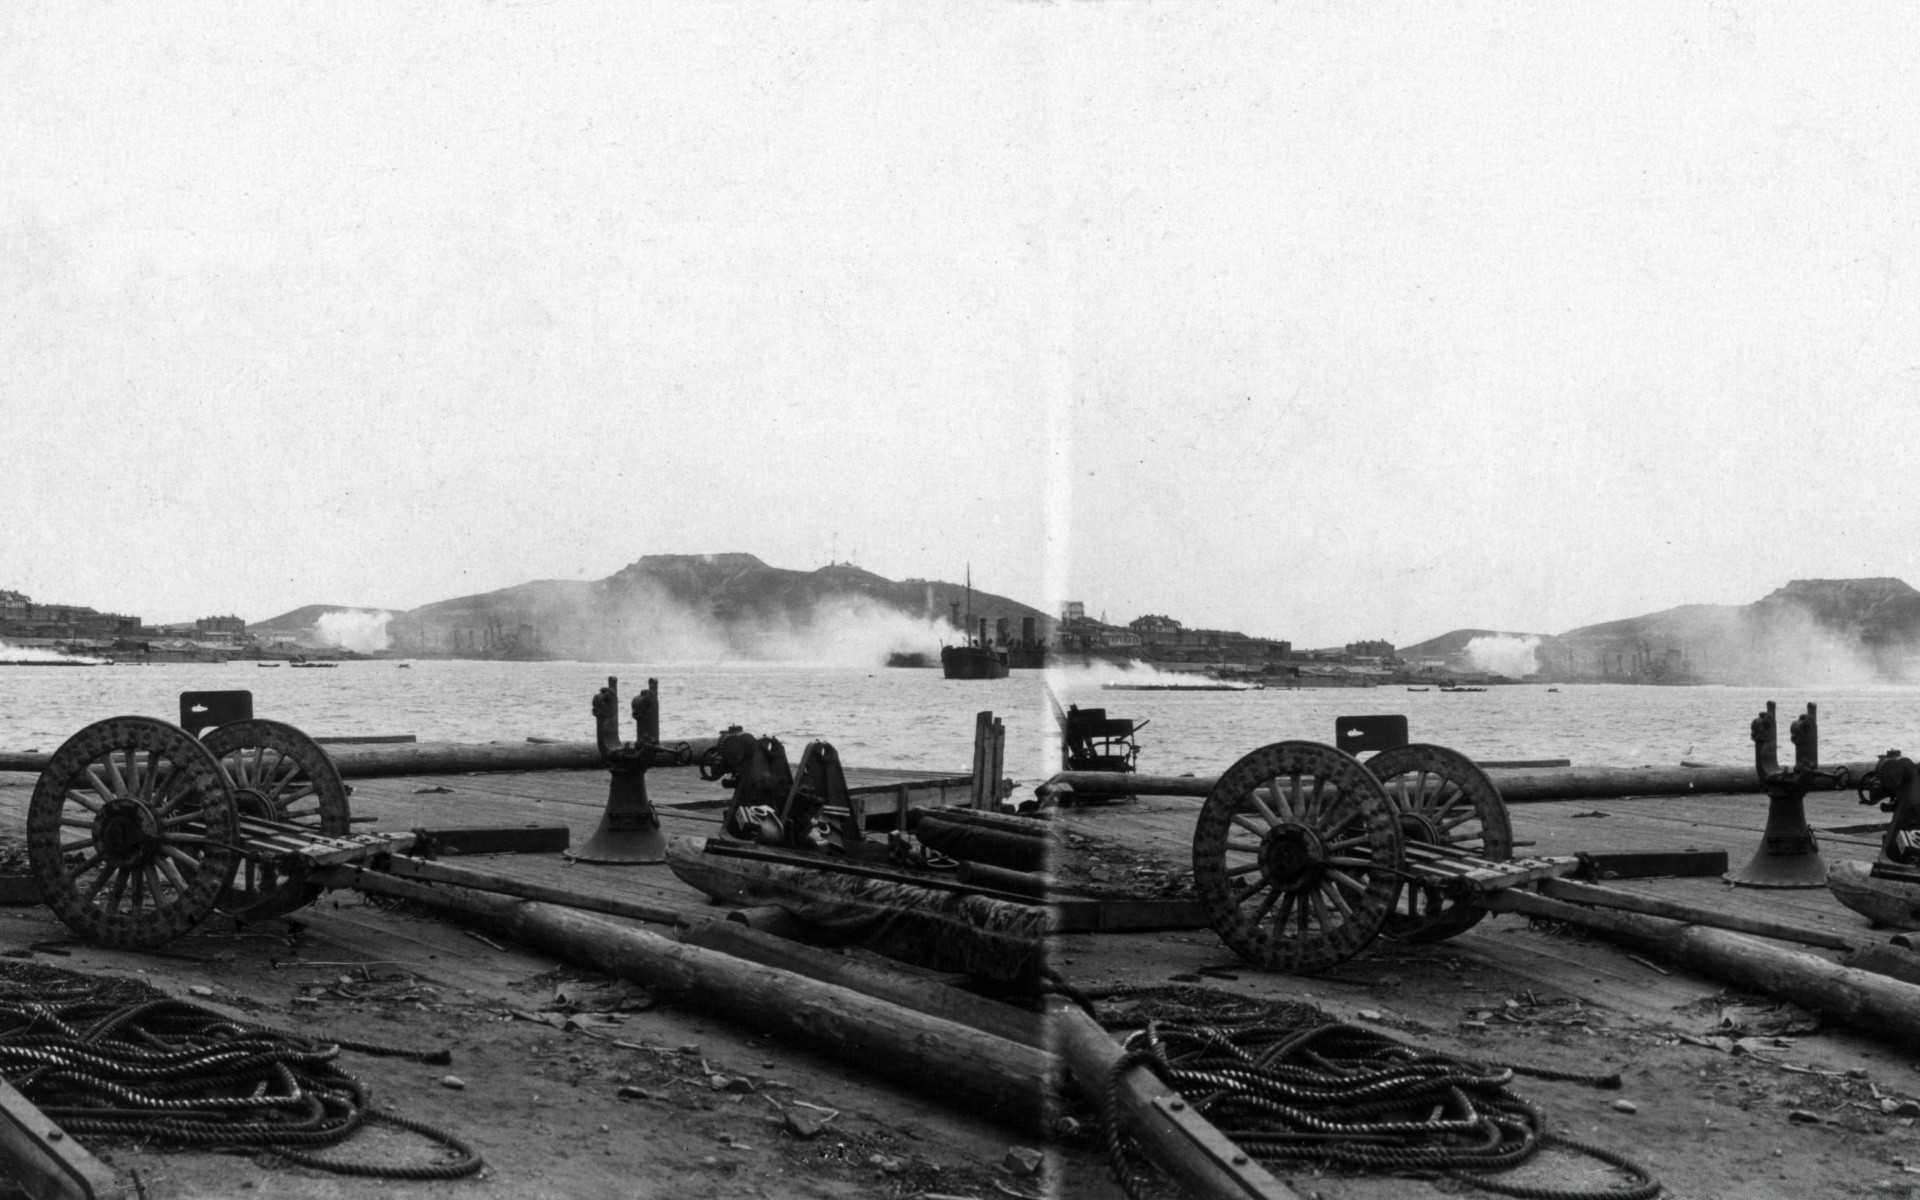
1369, 1014
1907, 1108
803, 1124
199, 989
629, 1092
1625, 1106
1022, 1161
453, 1082
739, 1084
1801, 1116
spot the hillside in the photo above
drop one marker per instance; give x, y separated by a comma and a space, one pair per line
1454, 644
300, 623
700, 606
1811, 630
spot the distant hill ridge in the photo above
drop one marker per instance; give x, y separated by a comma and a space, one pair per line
693, 605
1810, 631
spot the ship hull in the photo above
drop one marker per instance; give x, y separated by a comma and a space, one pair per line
972, 662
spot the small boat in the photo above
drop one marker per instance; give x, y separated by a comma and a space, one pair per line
406, 666
1553, 689
313, 666
1415, 689
1883, 899
1462, 689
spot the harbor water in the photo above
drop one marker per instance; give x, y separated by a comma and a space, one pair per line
915, 719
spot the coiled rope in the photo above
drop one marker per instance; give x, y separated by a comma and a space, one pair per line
117, 1058
1291, 1087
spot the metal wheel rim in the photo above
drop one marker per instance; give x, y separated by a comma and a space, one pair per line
280, 774
1445, 800
130, 832
1296, 856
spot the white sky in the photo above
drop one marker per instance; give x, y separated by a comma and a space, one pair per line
1313, 322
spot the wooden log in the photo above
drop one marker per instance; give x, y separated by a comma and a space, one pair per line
1517, 785
451, 758
1654, 906
922, 995
1029, 826
954, 1063
399, 867
1002, 879
1874, 1004
768, 918
1178, 1140
366, 739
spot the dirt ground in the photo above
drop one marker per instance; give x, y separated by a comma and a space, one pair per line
1715, 1118
665, 1102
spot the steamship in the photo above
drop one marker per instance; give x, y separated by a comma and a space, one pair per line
977, 659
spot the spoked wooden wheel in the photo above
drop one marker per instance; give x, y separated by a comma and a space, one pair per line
1296, 856
130, 832
279, 774
1443, 799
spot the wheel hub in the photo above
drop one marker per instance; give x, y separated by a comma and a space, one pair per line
1421, 827
1292, 856
125, 832
252, 802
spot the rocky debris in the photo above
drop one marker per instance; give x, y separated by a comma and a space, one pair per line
1022, 1161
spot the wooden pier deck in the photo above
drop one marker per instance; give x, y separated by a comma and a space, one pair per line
686, 804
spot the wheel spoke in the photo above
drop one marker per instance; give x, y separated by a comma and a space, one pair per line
1332, 893
1265, 905
153, 885
85, 801
1347, 881
1252, 866
1286, 910
1249, 826
1353, 864
179, 855
1279, 799
75, 823
1266, 814
1320, 910
100, 882
173, 875
120, 787
86, 864
100, 787
119, 888
1251, 890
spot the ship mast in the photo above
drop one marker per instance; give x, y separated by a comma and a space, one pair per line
969, 604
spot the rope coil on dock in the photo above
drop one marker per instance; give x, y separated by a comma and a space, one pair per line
1293, 1088
116, 1058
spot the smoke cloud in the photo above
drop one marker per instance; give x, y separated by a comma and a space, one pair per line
10, 653
638, 619
1504, 654
364, 632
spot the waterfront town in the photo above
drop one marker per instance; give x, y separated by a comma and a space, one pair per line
1075, 638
